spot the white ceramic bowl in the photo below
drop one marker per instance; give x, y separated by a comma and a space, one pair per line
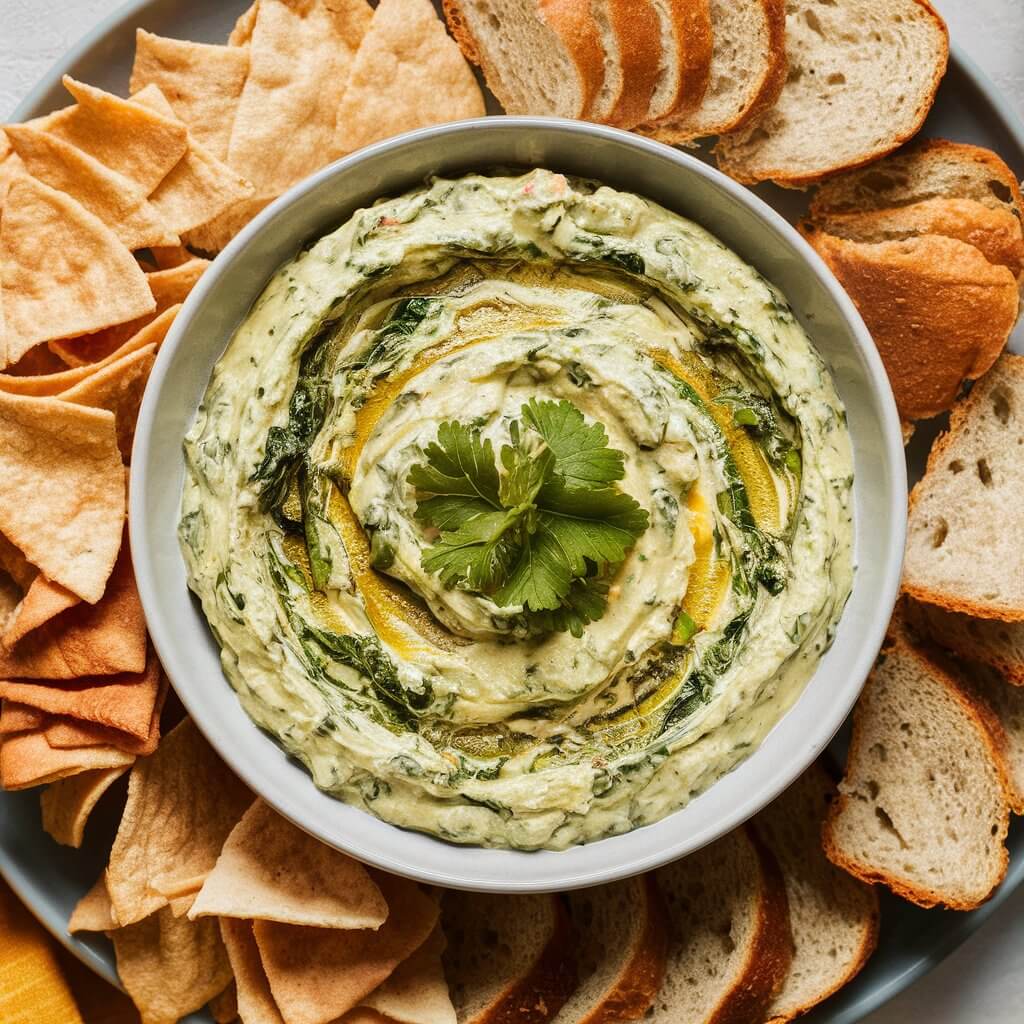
223, 297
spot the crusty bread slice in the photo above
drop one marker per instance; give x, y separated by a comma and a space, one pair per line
837, 110
938, 311
924, 805
538, 56
988, 641
1006, 705
995, 233
748, 69
620, 938
508, 957
964, 550
630, 33
686, 47
834, 916
730, 945
927, 169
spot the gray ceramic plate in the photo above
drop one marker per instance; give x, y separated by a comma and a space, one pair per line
51, 878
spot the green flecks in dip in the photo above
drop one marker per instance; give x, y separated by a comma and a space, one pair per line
422, 685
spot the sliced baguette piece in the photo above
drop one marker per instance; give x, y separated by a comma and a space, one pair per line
538, 56
630, 32
729, 940
991, 642
620, 937
924, 806
834, 916
995, 233
938, 311
964, 549
862, 77
1006, 705
747, 71
687, 44
508, 957
926, 169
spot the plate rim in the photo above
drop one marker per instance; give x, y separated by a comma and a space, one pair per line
1012, 125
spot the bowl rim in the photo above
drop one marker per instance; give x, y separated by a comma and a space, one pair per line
507, 880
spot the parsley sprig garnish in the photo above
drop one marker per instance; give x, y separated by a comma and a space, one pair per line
544, 527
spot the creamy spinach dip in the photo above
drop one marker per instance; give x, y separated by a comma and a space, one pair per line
520, 510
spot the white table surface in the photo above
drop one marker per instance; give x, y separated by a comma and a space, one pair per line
983, 981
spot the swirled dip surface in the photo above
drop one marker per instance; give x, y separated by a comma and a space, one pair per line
435, 707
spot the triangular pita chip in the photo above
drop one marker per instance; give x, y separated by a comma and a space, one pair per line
224, 1007
170, 966
255, 1002
408, 73
202, 83
416, 993
214, 235
87, 281
43, 601
17, 717
241, 34
138, 143
66, 805
62, 489
115, 200
93, 912
182, 805
318, 974
300, 56
165, 257
27, 760
272, 870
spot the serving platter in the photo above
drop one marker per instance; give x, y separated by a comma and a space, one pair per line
51, 878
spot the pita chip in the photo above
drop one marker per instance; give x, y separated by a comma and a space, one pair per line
16, 717
182, 805
35, 362
170, 966
224, 1007
43, 601
88, 281
318, 974
138, 143
67, 804
93, 912
165, 257
241, 34
62, 490
408, 73
270, 869
214, 235
27, 760
417, 992
103, 639
16, 565
255, 1002
115, 200
300, 55
202, 83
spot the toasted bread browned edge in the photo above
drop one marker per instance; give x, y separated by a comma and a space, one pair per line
570, 19
641, 978
789, 179
983, 721
637, 28
695, 44
869, 940
982, 610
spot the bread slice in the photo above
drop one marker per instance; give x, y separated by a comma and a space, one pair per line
508, 957
747, 72
834, 916
730, 945
538, 56
927, 169
938, 311
964, 550
991, 642
1006, 705
620, 938
837, 109
995, 233
924, 805
630, 32
687, 44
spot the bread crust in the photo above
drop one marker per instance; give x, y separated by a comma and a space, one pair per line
938, 311
641, 978
638, 31
920, 895
789, 178
919, 592
693, 45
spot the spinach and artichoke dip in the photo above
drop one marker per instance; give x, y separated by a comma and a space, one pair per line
520, 509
